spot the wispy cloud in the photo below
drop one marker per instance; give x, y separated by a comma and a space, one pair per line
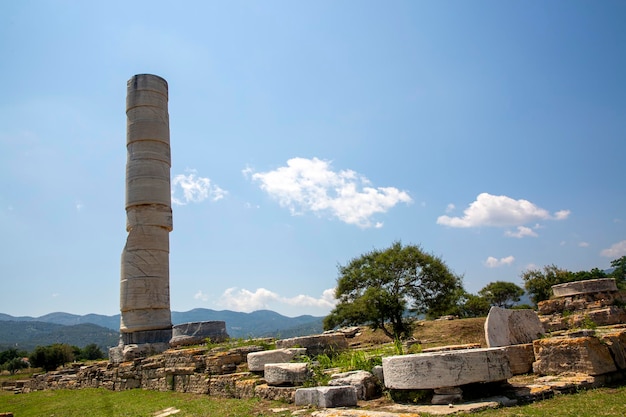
310, 185
522, 231
492, 262
194, 189
501, 211
200, 296
240, 299
617, 250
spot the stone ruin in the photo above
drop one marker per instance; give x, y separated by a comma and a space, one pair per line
519, 342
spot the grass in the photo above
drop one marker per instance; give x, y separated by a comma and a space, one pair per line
100, 402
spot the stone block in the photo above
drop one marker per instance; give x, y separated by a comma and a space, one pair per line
585, 355
291, 374
616, 342
317, 344
446, 369
583, 287
447, 395
267, 392
327, 397
364, 382
258, 360
521, 358
505, 327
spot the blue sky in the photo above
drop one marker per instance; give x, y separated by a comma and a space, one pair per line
304, 134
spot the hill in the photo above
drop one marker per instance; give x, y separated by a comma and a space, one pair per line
29, 332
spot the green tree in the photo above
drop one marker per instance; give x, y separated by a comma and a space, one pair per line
10, 354
474, 306
52, 356
539, 283
380, 287
619, 273
91, 352
14, 365
501, 293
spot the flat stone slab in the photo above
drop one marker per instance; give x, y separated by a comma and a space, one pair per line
446, 369
316, 344
258, 360
327, 397
364, 382
505, 327
584, 287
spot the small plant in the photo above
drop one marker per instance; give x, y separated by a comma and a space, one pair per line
588, 323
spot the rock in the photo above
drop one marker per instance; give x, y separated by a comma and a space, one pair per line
327, 397
377, 371
521, 358
505, 327
267, 392
258, 360
197, 332
280, 374
363, 381
316, 344
585, 355
583, 287
452, 347
445, 369
616, 342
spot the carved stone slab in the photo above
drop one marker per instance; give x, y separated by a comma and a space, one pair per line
446, 369
327, 397
583, 287
317, 344
279, 374
505, 327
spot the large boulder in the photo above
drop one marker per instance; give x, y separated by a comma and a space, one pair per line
505, 327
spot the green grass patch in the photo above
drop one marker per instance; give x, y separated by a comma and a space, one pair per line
101, 402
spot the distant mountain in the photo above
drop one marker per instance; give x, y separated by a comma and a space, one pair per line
27, 335
104, 330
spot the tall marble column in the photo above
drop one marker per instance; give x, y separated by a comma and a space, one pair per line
144, 287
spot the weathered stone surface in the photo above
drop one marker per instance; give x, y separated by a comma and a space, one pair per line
445, 369
452, 347
364, 382
197, 332
583, 287
268, 392
521, 358
327, 397
616, 342
316, 344
377, 371
280, 374
258, 360
586, 355
505, 327
144, 284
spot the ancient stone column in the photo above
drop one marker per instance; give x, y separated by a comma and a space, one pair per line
144, 288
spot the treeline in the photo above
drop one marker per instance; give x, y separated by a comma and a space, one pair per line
48, 357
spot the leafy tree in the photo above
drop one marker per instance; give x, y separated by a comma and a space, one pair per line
52, 356
474, 306
539, 283
14, 365
91, 352
501, 293
619, 273
379, 287
10, 354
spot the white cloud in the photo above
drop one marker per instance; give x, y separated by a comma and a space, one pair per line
310, 185
617, 250
79, 206
500, 211
492, 262
522, 231
245, 300
201, 296
450, 208
194, 189
583, 244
